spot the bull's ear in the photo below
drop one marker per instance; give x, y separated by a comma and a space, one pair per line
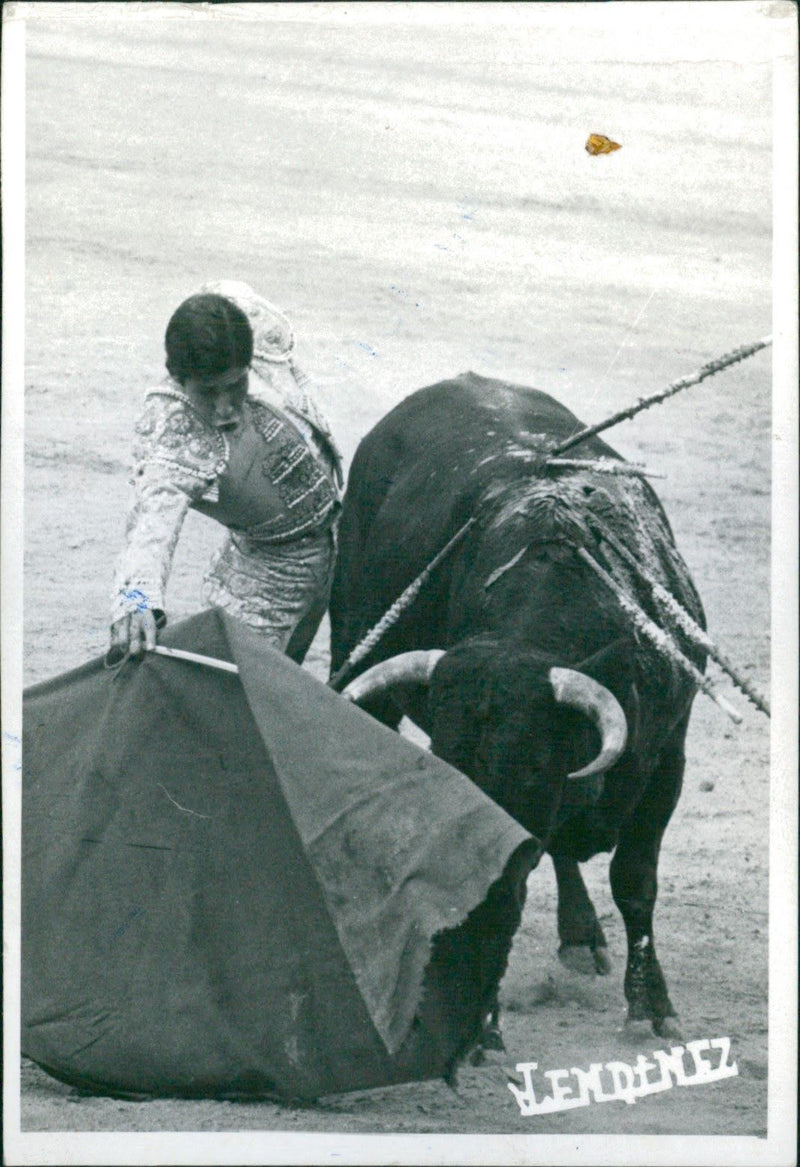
612, 666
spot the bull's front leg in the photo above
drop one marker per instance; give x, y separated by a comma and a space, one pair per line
634, 885
491, 1037
583, 943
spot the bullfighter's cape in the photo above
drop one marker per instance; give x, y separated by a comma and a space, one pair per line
244, 886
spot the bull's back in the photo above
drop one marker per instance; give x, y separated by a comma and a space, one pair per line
446, 418
416, 478
437, 446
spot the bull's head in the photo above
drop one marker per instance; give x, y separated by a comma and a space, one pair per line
522, 727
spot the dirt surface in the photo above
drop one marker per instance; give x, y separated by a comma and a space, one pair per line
422, 204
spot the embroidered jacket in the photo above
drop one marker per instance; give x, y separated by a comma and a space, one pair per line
288, 387
273, 362
267, 481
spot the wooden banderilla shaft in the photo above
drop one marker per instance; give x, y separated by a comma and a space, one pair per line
393, 614
662, 641
682, 617
707, 370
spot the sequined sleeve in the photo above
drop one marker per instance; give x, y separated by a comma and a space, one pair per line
175, 464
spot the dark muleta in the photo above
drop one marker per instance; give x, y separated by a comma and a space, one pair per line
244, 886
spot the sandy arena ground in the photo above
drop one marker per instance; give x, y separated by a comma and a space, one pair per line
421, 205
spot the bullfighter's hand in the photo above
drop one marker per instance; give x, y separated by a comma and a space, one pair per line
134, 633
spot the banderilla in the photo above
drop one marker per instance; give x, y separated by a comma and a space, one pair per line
707, 370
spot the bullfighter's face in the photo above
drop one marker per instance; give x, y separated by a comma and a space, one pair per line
218, 397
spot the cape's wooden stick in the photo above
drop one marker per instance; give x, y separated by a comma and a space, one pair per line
196, 658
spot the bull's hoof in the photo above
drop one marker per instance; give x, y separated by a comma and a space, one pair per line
580, 958
668, 1027
602, 961
638, 1028
477, 1057
492, 1038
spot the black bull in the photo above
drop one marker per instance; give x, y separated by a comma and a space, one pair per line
539, 661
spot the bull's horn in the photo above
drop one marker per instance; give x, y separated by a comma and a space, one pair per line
601, 706
398, 670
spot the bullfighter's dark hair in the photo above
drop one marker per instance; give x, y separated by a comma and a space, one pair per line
207, 334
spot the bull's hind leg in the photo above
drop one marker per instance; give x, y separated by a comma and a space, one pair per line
634, 885
583, 943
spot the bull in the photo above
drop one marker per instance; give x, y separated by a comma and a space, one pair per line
521, 666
